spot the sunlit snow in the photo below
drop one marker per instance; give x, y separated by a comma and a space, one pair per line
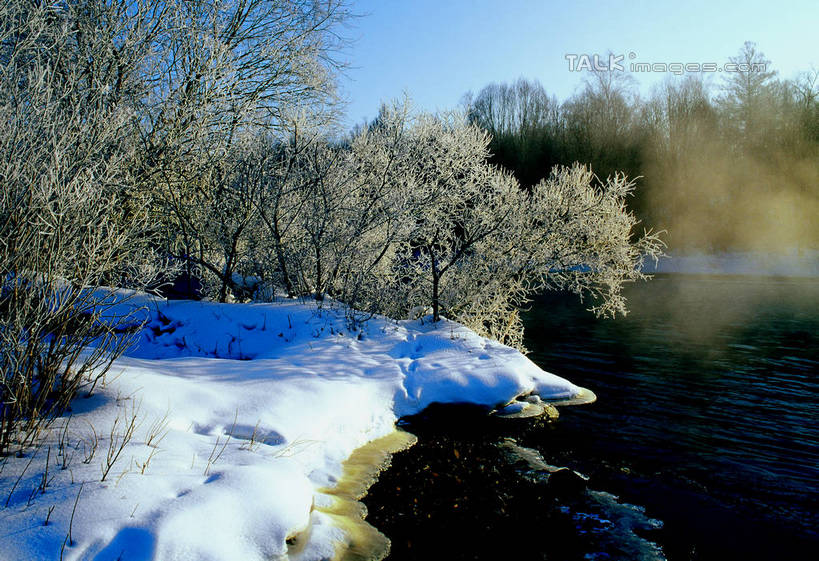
244, 415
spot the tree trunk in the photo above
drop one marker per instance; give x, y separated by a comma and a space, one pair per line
224, 287
319, 288
277, 238
435, 282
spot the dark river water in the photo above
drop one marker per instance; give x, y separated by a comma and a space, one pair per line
703, 444
708, 407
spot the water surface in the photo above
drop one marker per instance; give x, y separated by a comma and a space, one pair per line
707, 408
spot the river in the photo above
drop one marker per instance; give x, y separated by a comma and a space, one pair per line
703, 444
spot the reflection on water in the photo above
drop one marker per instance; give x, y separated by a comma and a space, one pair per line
707, 407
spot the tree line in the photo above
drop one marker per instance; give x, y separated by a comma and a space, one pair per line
724, 163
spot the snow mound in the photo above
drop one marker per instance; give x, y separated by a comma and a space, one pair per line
216, 436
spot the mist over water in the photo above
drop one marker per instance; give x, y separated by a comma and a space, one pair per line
712, 195
727, 163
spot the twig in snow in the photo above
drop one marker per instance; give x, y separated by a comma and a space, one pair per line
73, 511
22, 473
45, 480
157, 431
253, 443
144, 465
214, 456
118, 442
95, 440
62, 448
69, 538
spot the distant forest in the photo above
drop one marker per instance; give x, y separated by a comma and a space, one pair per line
726, 162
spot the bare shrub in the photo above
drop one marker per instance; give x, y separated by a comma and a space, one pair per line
70, 220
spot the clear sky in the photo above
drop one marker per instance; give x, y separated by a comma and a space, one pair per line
438, 50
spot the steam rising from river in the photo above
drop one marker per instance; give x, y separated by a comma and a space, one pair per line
711, 195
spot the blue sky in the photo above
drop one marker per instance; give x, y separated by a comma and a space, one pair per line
438, 50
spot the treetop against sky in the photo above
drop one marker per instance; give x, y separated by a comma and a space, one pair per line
437, 51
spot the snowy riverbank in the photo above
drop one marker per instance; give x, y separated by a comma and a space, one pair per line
223, 429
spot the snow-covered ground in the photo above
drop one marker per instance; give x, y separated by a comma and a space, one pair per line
224, 431
794, 263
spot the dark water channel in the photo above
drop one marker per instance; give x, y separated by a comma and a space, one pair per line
703, 444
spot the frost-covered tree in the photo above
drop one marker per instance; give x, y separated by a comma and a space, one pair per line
118, 117
747, 89
458, 201
478, 245
343, 210
226, 72
582, 237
